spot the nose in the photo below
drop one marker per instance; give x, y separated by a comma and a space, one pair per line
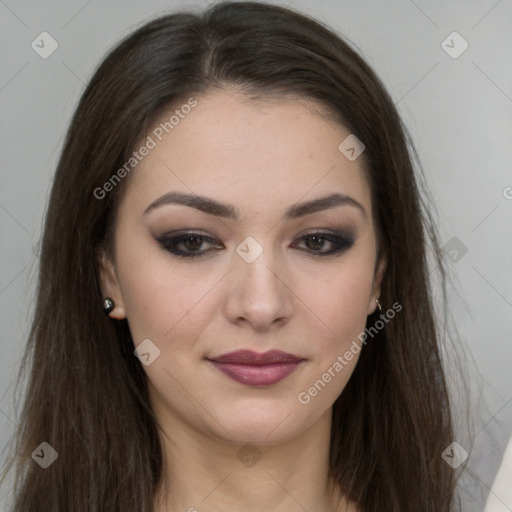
258, 293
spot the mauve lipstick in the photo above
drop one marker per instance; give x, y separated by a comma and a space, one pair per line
254, 369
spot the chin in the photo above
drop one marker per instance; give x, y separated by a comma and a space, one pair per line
260, 425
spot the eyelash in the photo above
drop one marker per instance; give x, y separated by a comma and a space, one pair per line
341, 243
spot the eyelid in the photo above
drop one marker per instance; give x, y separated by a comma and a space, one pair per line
341, 239
341, 232
177, 235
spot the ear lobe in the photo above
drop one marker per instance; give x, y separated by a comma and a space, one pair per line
110, 285
377, 281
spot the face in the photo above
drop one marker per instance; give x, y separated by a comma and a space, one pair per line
279, 254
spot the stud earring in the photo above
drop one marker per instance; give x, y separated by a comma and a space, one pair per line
108, 305
378, 304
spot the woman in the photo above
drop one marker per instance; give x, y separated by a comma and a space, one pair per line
237, 195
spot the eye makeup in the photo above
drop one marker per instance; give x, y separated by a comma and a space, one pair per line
191, 244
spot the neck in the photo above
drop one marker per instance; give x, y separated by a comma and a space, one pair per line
205, 474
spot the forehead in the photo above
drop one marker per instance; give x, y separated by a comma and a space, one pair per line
253, 153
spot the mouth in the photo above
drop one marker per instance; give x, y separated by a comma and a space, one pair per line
255, 369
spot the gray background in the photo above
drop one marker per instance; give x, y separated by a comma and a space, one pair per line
458, 110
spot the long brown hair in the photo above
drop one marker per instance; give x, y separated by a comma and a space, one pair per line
87, 394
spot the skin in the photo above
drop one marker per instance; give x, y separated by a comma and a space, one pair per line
261, 157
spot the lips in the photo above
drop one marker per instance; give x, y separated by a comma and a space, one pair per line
254, 358
255, 369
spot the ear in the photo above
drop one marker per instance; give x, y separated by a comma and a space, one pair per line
110, 285
380, 269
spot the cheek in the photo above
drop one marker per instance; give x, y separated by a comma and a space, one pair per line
155, 295
159, 310
339, 301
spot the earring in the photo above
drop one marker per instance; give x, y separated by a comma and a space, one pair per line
378, 304
108, 305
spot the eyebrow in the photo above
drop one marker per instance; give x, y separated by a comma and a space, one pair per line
212, 207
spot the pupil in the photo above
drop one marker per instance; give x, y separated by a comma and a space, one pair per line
193, 246
317, 239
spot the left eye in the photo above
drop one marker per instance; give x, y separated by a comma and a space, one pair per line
188, 245
338, 243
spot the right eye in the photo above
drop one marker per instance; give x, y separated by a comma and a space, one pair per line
186, 245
